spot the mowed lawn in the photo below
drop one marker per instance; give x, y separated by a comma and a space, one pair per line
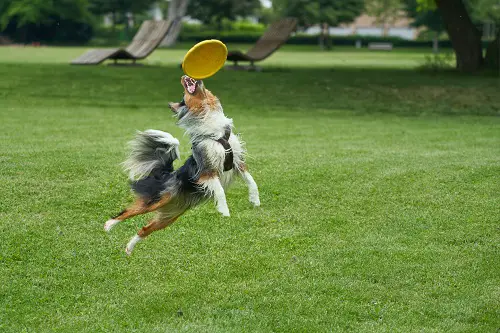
379, 187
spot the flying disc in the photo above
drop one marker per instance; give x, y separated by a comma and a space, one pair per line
204, 59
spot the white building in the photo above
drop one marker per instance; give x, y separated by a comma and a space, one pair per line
365, 25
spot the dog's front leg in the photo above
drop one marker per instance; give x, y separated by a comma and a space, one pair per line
174, 106
253, 190
214, 187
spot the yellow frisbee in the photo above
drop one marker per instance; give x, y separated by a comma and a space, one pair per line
204, 59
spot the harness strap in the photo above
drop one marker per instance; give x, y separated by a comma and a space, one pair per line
228, 160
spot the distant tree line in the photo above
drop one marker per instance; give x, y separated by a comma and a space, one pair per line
74, 21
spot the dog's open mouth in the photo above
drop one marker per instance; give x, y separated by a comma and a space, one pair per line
189, 84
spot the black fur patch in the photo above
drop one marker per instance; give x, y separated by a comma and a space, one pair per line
186, 175
150, 188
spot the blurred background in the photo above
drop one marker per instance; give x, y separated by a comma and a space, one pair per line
469, 27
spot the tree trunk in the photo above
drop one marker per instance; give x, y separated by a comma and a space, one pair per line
113, 22
385, 29
435, 43
323, 36
176, 11
328, 37
219, 27
492, 59
464, 36
127, 27
321, 42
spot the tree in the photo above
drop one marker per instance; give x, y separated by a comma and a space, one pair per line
174, 9
120, 10
104, 7
485, 10
386, 12
326, 13
215, 11
460, 19
267, 15
488, 11
56, 20
305, 11
430, 18
464, 35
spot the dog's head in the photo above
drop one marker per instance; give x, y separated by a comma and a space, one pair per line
197, 99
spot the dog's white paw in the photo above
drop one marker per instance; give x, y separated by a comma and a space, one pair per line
110, 224
224, 211
128, 250
254, 200
130, 246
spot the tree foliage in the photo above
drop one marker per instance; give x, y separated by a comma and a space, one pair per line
46, 20
215, 11
330, 12
41, 12
100, 7
485, 10
386, 12
424, 16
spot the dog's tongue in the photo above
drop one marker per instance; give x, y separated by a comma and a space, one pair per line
190, 84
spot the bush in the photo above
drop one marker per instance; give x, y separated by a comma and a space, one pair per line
116, 36
428, 35
60, 31
246, 26
302, 39
233, 27
438, 63
298, 39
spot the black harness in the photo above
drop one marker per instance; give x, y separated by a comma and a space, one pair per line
224, 141
228, 160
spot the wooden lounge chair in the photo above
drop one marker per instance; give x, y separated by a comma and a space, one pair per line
147, 39
275, 36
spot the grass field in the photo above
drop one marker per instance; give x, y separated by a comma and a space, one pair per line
297, 56
379, 188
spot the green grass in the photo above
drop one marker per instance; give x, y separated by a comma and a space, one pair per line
379, 189
297, 56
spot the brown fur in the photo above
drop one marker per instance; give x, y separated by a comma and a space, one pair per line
141, 207
206, 176
195, 102
156, 224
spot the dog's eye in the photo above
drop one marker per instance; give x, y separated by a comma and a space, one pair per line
182, 103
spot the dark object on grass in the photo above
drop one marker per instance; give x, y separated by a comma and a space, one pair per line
275, 36
147, 39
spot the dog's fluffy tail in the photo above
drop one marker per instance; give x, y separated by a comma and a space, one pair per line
151, 150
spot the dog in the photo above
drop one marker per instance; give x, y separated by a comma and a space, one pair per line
218, 155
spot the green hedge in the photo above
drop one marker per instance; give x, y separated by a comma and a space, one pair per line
250, 38
106, 36
228, 26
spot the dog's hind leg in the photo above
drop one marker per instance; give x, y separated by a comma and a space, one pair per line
157, 223
253, 190
140, 206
